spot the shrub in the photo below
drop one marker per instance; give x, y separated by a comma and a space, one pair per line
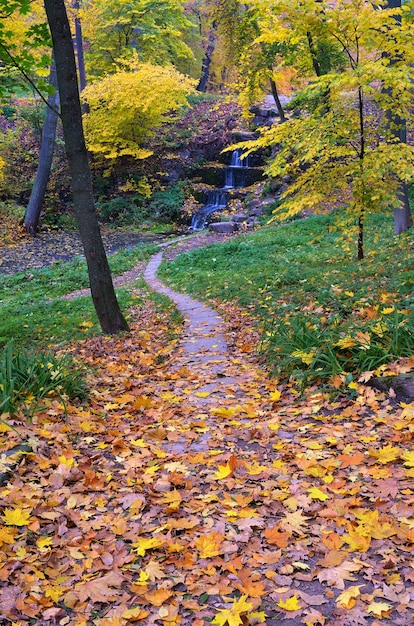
27, 377
310, 348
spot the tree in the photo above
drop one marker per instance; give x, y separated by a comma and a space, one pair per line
398, 128
349, 149
114, 29
47, 147
127, 107
102, 289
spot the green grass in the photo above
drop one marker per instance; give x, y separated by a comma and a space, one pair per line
32, 312
306, 288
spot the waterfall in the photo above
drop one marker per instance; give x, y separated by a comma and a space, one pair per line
217, 199
235, 173
214, 200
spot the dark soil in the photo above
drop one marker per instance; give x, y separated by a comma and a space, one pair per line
55, 246
52, 247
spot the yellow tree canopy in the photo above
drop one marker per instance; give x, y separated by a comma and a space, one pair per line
126, 107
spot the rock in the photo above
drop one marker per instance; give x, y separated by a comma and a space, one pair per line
255, 212
402, 385
223, 227
238, 218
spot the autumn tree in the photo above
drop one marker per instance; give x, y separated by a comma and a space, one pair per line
349, 146
102, 290
126, 107
155, 30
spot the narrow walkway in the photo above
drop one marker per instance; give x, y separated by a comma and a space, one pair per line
215, 377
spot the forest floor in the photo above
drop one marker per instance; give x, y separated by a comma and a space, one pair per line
193, 489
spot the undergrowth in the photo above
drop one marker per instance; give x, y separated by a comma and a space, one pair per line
323, 315
26, 377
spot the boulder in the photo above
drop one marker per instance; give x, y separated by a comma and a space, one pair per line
238, 218
224, 227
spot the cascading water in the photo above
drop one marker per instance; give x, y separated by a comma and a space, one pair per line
235, 172
217, 199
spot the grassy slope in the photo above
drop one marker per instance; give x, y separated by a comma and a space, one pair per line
307, 267
33, 314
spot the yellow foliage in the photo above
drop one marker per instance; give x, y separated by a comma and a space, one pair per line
125, 108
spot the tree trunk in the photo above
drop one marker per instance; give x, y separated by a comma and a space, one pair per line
100, 280
276, 98
398, 128
47, 147
361, 237
79, 48
205, 68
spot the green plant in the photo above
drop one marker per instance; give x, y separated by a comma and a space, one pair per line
27, 377
165, 206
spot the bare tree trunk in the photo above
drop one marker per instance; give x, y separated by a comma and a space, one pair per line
79, 48
276, 98
208, 56
47, 147
100, 280
398, 127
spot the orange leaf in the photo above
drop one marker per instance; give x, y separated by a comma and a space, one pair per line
158, 597
276, 537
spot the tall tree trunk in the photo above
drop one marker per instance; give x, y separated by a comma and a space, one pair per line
276, 98
208, 56
398, 128
100, 280
79, 47
47, 147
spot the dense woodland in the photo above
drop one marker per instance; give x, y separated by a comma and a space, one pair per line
137, 484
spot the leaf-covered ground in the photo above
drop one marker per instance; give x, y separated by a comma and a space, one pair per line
162, 502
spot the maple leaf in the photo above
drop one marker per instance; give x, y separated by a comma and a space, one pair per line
143, 544
232, 616
291, 604
387, 454
347, 598
135, 614
294, 522
379, 609
101, 589
223, 471
317, 494
208, 545
16, 517
335, 576
275, 537
275, 395
408, 457
158, 597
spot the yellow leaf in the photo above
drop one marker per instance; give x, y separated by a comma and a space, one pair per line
232, 616
202, 394
348, 597
379, 609
275, 395
223, 471
16, 517
387, 454
408, 458
209, 545
317, 494
291, 604
306, 357
142, 544
43, 543
135, 614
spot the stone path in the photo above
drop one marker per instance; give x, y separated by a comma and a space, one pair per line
216, 377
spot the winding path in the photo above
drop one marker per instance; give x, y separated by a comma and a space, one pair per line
216, 377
